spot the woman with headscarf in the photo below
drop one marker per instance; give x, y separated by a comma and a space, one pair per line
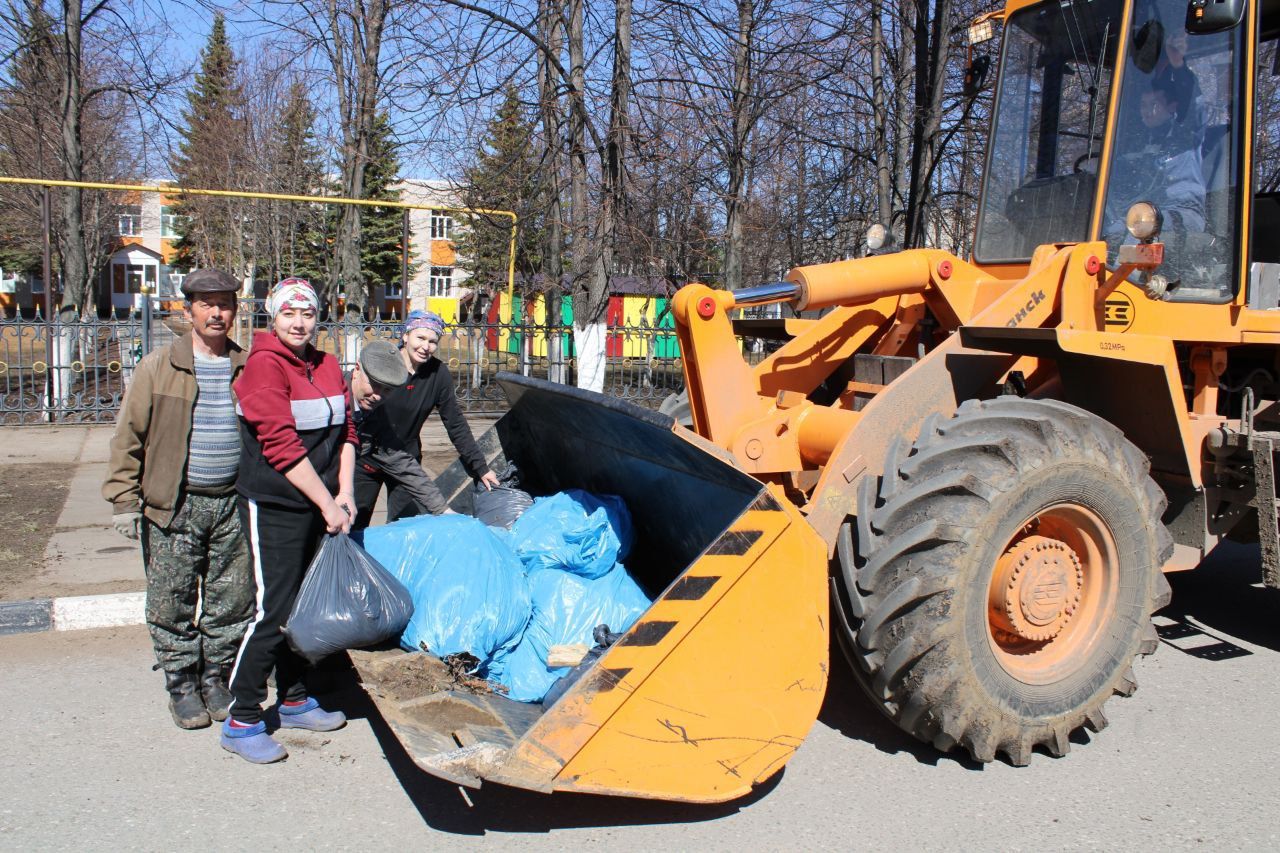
397, 423
297, 460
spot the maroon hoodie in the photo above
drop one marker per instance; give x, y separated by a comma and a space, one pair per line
289, 408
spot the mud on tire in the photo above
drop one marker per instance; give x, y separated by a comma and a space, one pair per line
992, 490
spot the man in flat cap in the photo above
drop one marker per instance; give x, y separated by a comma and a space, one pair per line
174, 459
379, 369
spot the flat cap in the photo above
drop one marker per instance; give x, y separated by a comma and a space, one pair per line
209, 281
381, 362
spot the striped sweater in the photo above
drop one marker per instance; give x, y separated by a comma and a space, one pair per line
214, 453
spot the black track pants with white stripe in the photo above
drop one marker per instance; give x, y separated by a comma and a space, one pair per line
282, 543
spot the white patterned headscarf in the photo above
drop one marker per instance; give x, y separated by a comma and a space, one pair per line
293, 293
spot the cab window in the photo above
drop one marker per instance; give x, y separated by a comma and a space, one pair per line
1050, 117
1177, 145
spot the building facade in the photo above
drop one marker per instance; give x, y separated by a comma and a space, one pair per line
146, 234
438, 280
148, 229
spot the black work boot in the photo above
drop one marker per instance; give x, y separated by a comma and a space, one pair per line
213, 688
185, 703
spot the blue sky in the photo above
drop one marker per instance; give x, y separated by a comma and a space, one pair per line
188, 26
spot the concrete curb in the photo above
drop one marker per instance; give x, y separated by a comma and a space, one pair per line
72, 613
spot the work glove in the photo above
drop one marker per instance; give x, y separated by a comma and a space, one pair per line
126, 524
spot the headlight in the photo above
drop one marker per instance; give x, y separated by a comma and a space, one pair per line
1143, 221
875, 236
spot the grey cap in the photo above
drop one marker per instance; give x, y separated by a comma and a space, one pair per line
208, 281
381, 362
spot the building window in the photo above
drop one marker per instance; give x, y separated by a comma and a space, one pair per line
129, 220
394, 291
172, 225
441, 225
441, 281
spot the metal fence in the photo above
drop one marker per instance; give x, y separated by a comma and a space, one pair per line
52, 372
76, 372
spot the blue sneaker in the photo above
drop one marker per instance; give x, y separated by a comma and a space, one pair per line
309, 715
252, 743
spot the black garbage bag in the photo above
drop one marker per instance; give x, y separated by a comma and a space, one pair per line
347, 601
501, 506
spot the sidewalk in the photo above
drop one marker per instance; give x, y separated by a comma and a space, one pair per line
84, 555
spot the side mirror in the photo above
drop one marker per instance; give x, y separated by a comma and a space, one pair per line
1147, 43
1214, 16
975, 75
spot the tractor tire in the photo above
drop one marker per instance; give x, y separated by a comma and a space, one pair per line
1000, 577
677, 406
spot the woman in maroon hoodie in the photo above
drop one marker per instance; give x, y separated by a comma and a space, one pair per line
297, 460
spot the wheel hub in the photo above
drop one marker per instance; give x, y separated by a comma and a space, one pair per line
1037, 590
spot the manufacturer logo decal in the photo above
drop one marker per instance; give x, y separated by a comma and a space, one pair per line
1036, 299
1118, 312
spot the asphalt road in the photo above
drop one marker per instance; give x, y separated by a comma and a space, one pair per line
91, 761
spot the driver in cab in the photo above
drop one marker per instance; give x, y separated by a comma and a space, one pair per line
1162, 165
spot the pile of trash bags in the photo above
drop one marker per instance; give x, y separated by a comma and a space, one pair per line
507, 596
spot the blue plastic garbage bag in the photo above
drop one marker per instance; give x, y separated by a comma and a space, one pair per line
575, 530
566, 609
469, 590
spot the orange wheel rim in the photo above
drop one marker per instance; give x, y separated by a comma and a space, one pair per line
1052, 593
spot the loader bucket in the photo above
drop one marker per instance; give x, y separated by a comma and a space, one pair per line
714, 687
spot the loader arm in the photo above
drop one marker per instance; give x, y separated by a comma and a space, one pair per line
766, 416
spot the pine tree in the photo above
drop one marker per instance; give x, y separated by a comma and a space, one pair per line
504, 177
213, 154
381, 227
297, 236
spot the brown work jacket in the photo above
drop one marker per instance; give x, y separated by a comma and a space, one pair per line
153, 431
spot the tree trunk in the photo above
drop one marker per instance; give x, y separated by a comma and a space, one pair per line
612, 167
902, 109
357, 107
884, 175
75, 262
931, 49
589, 301
736, 165
551, 29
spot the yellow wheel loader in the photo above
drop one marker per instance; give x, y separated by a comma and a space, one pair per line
976, 473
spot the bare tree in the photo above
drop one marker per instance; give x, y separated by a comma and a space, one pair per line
354, 47
69, 119
551, 116
349, 37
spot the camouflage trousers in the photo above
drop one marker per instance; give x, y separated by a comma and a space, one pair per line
200, 591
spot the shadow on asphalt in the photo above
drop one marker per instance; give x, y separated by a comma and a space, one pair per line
1225, 596
495, 808
849, 711
1220, 601
1222, 597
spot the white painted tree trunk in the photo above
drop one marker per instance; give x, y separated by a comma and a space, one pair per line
63, 356
590, 341
352, 343
477, 352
